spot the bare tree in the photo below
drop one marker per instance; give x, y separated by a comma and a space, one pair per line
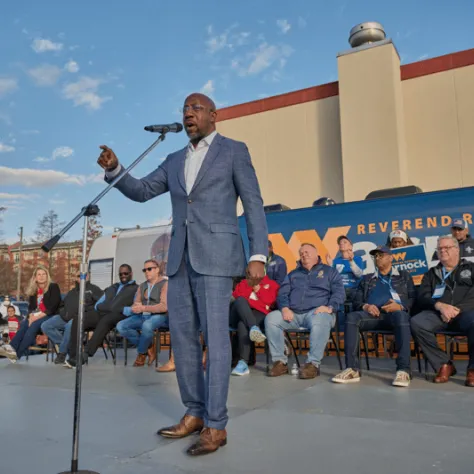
48, 226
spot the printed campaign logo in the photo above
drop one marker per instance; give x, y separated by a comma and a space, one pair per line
411, 259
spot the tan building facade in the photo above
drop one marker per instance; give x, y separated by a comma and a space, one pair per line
381, 125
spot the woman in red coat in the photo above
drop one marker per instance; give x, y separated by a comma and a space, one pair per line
253, 301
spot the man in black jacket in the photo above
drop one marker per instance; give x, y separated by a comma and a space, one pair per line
108, 311
446, 296
382, 301
58, 328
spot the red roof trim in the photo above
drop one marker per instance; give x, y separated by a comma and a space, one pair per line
407, 71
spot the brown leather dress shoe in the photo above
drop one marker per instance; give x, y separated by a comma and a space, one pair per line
187, 426
209, 441
469, 378
308, 371
140, 360
151, 354
444, 372
277, 369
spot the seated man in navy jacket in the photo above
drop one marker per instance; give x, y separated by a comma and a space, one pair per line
308, 298
382, 301
276, 266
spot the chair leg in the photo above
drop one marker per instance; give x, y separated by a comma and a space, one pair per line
418, 356
114, 348
366, 349
288, 338
125, 347
338, 352
267, 354
158, 347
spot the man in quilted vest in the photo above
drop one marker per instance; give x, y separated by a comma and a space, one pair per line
148, 312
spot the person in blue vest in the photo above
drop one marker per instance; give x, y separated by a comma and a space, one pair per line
276, 266
351, 267
382, 301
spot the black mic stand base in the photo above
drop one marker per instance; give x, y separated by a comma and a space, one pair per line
79, 472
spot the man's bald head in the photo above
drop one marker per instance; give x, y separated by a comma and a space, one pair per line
199, 117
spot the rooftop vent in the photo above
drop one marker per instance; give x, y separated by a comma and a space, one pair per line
364, 33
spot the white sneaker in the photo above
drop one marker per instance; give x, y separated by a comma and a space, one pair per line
347, 376
7, 351
402, 379
256, 335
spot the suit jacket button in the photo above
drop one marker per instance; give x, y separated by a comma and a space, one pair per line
190, 201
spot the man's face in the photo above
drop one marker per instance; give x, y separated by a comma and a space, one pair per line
397, 242
199, 117
383, 260
448, 253
125, 275
151, 271
308, 255
344, 245
459, 234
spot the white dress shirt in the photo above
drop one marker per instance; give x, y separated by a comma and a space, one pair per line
194, 159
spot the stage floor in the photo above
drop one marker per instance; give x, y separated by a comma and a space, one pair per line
277, 426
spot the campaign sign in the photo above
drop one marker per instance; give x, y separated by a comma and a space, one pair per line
413, 260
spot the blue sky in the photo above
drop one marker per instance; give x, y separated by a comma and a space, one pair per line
75, 75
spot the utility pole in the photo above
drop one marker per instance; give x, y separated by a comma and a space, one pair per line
18, 285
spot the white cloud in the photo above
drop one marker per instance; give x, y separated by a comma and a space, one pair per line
284, 26
30, 132
59, 152
208, 88
422, 57
41, 45
6, 148
265, 56
56, 201
216, 43
241, 38
45, 75
85, 92
7, 85
302, 22
209, 29
71, 66
14, 198
5, 118
33, 178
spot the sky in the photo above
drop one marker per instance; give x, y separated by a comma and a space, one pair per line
76, 75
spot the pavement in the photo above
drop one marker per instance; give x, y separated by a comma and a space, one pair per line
276, 425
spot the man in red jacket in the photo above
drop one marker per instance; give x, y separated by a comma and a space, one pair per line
254, 299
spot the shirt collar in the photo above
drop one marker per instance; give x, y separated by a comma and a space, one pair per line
206, 141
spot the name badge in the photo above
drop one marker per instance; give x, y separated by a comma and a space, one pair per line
395, 296
146, 314
439, 291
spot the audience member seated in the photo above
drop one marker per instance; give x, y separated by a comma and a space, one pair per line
253, 301
148, 312
44, 302
4, 310
460, 231
350, 267
382, 301
276, 266
309, 298
58, 328
446, 295
398, 238
108, 312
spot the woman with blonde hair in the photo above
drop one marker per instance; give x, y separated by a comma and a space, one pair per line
44, 301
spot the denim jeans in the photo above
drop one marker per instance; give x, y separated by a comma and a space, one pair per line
59, 331
398, 321
26, 335
129, 328
318, 324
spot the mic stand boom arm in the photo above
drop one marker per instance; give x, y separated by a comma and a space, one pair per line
90, 210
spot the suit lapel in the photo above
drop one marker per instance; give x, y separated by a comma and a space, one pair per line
208, 160
181, 160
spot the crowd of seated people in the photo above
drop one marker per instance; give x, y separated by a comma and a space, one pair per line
308, 298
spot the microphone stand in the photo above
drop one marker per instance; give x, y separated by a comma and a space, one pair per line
90, 210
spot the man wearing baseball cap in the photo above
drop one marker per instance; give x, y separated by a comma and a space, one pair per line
460, 231
382, 301
398, 238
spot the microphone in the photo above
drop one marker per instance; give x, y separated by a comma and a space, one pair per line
170, 127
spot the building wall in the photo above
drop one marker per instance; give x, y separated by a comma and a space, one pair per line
296, 151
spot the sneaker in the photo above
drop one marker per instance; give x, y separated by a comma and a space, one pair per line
7, 351
241, 368
70, 363
402, 379
256, 335
60, 359
347, 376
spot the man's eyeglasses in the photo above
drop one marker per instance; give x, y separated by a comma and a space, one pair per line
124, 273
195, 107
446, 249
380, 255
148, 269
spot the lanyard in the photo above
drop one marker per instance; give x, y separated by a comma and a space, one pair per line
394, 294
149, 293
446, 275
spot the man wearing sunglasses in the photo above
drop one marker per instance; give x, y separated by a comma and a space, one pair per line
108, 311
148, 312
205, 180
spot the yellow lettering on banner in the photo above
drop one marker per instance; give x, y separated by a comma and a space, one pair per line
372, 229
399, 256
445, 221
280, 247
383, 226
406, 225
360, 229
432, 222
419, 223
467, 218
395, 225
